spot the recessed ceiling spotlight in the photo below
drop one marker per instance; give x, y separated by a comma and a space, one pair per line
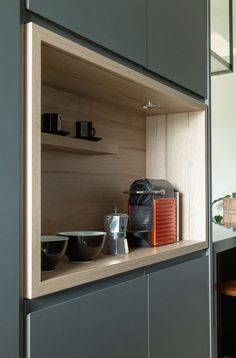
150, 105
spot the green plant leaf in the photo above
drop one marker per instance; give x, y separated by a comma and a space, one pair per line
218, 219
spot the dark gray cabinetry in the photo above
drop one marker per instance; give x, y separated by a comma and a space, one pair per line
10, 185
116, 25
177, 42
179, 311
170, 38
111, 322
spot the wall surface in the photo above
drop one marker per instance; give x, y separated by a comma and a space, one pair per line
223, 96
223, 135
78, 190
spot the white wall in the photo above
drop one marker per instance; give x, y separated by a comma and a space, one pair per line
223, 135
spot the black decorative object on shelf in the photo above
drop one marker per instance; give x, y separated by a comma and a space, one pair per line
51, 123
84, 129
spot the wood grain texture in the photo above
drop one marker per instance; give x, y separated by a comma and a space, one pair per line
74, 145
78, 190
65, 72
74, 68
32, 164
176, 151
71, 274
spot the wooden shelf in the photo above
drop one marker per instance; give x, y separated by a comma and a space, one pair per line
74, 145
67, 275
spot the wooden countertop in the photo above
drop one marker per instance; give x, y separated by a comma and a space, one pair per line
68, 274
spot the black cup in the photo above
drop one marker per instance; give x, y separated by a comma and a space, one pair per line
84, 129
51, 122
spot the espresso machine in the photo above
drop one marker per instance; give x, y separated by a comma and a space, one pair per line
153, 209
115, 225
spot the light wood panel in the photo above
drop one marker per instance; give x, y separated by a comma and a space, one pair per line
32, 163
75, 145
74, 68
64, 72
78, 190
176, 151
68, 275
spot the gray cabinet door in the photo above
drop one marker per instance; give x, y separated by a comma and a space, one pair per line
117, 25
10, 179
179, 311
177, 42
108, 323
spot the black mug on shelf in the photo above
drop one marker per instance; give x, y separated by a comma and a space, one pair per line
51, 122
84, 129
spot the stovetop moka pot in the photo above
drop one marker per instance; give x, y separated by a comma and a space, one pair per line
115, 226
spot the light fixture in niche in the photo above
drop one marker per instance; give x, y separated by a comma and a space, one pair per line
150, 105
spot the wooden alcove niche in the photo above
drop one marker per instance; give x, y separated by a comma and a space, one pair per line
71, 184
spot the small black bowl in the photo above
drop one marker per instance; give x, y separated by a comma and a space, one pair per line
84, 245
53, 248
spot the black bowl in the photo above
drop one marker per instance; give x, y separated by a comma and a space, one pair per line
84, 245
53, 248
